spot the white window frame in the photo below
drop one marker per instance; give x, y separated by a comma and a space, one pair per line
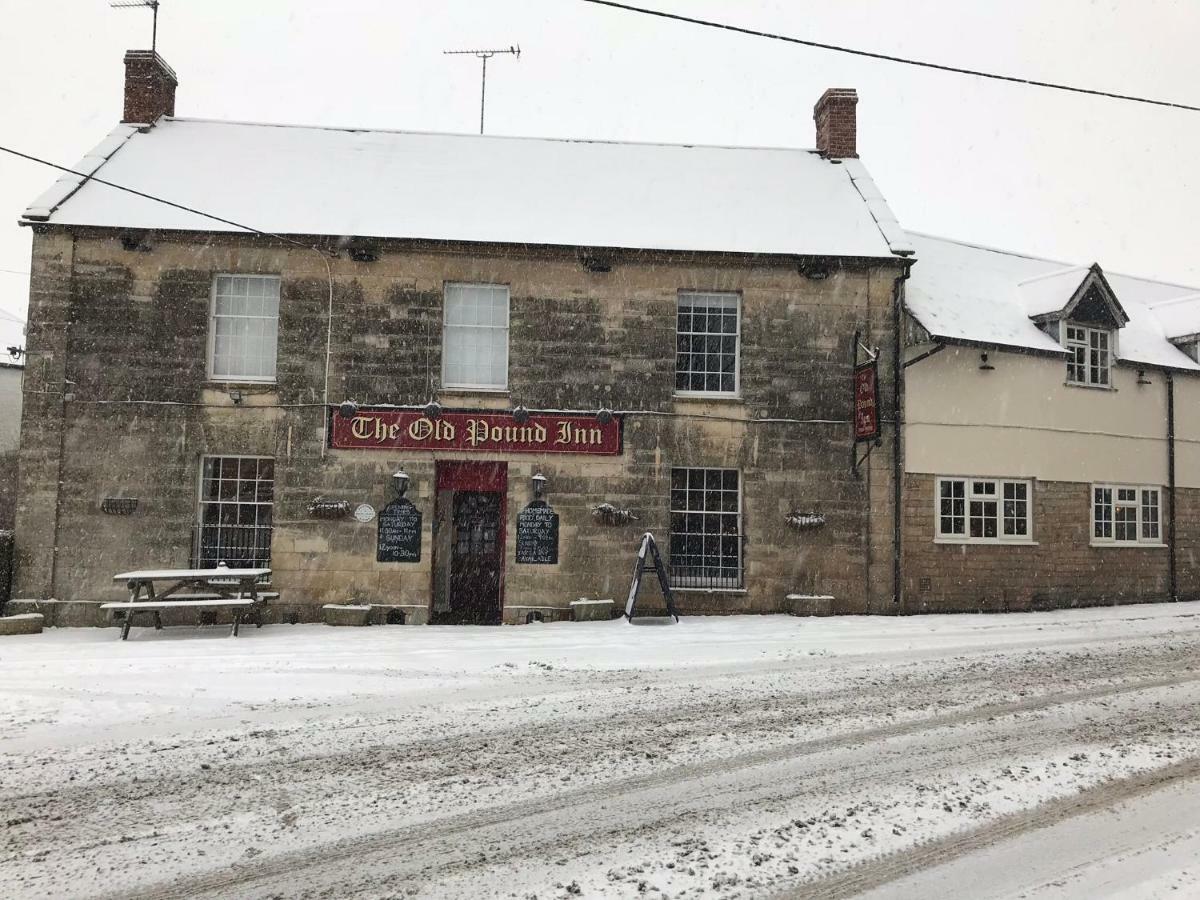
468, 386
1139, 506
704, 583
969, 493
237, 503
212, 330
736, 393
1085, 343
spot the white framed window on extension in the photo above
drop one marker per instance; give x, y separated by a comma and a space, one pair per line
1090, 355
243, 332
983, 510
707, 344
236, 511
475, 337
706, 528
1125, 515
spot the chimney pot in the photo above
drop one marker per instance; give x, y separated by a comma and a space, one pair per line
149, 87
837, 123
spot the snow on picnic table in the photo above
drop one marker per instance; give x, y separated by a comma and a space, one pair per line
737, 756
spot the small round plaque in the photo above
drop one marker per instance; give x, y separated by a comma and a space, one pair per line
364, 512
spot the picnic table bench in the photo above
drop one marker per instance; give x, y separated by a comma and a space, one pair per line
219, 588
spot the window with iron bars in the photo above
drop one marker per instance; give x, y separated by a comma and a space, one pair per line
706, 528
237, 499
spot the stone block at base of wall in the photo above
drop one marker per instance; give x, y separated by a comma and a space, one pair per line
336, 614
810, 604
592, 610
523, 615
23, 623
408, 613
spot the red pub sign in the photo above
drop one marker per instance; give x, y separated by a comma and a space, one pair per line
483, 432
866, 402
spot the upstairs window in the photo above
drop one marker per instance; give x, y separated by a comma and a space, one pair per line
983, 510
1126, 514
706, 343
475, 337
1089, 355
244, 330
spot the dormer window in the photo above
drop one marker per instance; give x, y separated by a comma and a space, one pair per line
1089, 355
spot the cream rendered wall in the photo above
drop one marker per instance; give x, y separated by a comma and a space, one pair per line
1025, 421
10, 408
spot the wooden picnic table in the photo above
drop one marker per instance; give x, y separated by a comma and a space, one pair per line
220, 587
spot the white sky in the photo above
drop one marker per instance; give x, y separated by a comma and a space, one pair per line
1060, 175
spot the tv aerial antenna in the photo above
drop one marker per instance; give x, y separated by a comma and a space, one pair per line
484, 56
151, 5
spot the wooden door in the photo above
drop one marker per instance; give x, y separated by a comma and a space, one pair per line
475, 558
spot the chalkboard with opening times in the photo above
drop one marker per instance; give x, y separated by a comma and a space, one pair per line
537, 535
399, 535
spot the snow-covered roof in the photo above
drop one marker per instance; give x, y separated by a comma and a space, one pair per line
980, 295
306, 180
12, 334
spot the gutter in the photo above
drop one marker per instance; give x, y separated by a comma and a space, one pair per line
1172, 569
898, 436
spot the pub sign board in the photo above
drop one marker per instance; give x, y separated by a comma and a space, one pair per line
866, 402
537, 534
483, 432
399, 535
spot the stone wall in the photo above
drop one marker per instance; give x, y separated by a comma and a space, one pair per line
126, 331
1061, 569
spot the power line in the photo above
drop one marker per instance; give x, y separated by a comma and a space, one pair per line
1032, 82
129, 190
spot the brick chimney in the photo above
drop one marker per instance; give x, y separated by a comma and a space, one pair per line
149, 87
837, 123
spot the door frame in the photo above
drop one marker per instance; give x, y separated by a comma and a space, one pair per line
491, 477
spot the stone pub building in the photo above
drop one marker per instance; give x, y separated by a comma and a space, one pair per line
548, 347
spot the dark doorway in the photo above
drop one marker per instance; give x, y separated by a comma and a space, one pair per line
475, 559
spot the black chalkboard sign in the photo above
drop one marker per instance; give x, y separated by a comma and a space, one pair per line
399, 532
537, 534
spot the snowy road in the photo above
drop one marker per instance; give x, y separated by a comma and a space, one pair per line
739, 757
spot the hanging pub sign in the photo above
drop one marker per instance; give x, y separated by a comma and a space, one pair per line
399, 537
866, 401
537, 534
410, 429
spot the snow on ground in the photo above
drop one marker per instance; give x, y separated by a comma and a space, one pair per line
721, 757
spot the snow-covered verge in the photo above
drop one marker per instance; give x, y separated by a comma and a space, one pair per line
727, 757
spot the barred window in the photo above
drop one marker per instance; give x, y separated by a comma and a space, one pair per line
1088, 355
237, 501
983, 510
1126, 514
475, 337
706, 343
706, 528
244, 331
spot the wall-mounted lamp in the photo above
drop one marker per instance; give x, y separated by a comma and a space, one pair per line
1142, 379
984, 365
604, 416
520, 415
432, 410
236, 396
400, 482
539, 485
348, 409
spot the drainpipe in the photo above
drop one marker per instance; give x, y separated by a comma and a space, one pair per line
1172, 572
897, 438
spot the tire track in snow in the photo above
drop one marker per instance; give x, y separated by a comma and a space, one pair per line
286, 871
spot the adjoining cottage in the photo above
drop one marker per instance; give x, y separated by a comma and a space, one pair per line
664, 332
1052, 445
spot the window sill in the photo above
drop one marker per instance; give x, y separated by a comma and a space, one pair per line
1090, 387
466, 389
983, 542
225, 383
708, 398
704, 590
1144, 545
